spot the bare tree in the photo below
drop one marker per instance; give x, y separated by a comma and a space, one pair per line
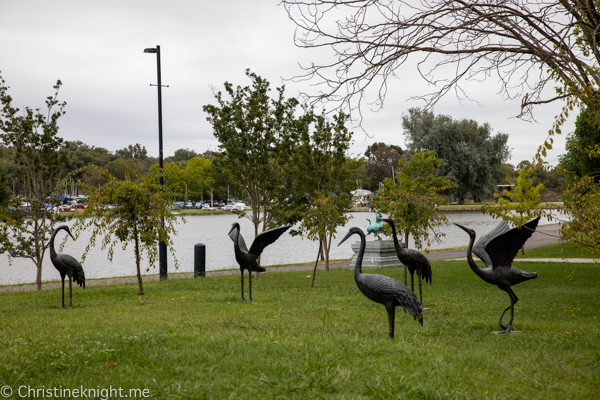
532, 46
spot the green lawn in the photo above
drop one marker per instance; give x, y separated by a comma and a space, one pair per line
191, 339
558, 250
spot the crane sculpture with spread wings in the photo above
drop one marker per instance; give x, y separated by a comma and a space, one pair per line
497, 250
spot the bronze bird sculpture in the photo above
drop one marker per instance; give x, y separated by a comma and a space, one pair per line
415, 261
66, 266
497, 250
247, 259
383, 289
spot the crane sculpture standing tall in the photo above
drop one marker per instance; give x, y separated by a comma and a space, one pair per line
247, 259
66, 266
498, 250
414, 260
383, 289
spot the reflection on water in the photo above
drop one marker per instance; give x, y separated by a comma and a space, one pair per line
211, 230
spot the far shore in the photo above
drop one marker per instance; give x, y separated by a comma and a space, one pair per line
442, 208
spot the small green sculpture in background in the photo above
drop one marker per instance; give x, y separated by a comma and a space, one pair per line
376, 227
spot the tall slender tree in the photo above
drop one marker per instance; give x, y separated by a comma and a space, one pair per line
39, 155
256, 135
320, 191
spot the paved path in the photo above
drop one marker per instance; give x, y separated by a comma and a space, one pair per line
543, 236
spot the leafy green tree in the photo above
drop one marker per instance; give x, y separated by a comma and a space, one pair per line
256, 135
412, 202
549, 176
133, 151
357, 176
125, 168
79, 155
174, 179
379, 145
523, 204
128, 211
39, 155
320, 223
5, 192
182, 155
578, 159
381, 163
582, 202
198, 175
318, 174
226, 184
473, 156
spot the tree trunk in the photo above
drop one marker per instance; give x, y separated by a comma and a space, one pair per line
321, 255
327, 249
405, 268
38, 277
316, 263
137, 261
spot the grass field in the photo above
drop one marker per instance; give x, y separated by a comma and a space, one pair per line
558, 250
191, 339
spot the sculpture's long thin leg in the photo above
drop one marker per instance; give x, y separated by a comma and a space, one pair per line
250, 286
412, 281
242, 300
63, 291
420, 290
502, 316
513, 301
71, 292
391, 310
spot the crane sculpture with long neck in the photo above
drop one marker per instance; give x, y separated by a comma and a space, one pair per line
415, 261
383, 289
66, 266
248, 259
498, 250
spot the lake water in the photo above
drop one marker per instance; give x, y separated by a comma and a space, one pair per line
211, 230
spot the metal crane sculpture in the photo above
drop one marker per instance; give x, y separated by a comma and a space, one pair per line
498, 250
414, 260
383, 289
247, 259
66, 266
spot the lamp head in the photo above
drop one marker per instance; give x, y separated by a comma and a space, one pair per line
150, 50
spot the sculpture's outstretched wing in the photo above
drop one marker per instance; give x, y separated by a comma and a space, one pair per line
479, 248
503, 249
266, 238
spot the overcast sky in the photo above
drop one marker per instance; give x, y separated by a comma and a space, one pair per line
96, 49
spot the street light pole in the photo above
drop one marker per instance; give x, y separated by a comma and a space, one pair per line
162, 246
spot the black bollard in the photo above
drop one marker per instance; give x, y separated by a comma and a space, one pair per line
199, 260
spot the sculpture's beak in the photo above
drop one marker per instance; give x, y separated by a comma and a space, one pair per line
346, 237
69, 232
462, 227
231, 230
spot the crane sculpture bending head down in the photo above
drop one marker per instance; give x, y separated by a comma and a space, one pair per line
498, 250
247, 259
414, 260
66, 266
383, 289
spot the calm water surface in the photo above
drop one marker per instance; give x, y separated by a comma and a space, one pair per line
211, 230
